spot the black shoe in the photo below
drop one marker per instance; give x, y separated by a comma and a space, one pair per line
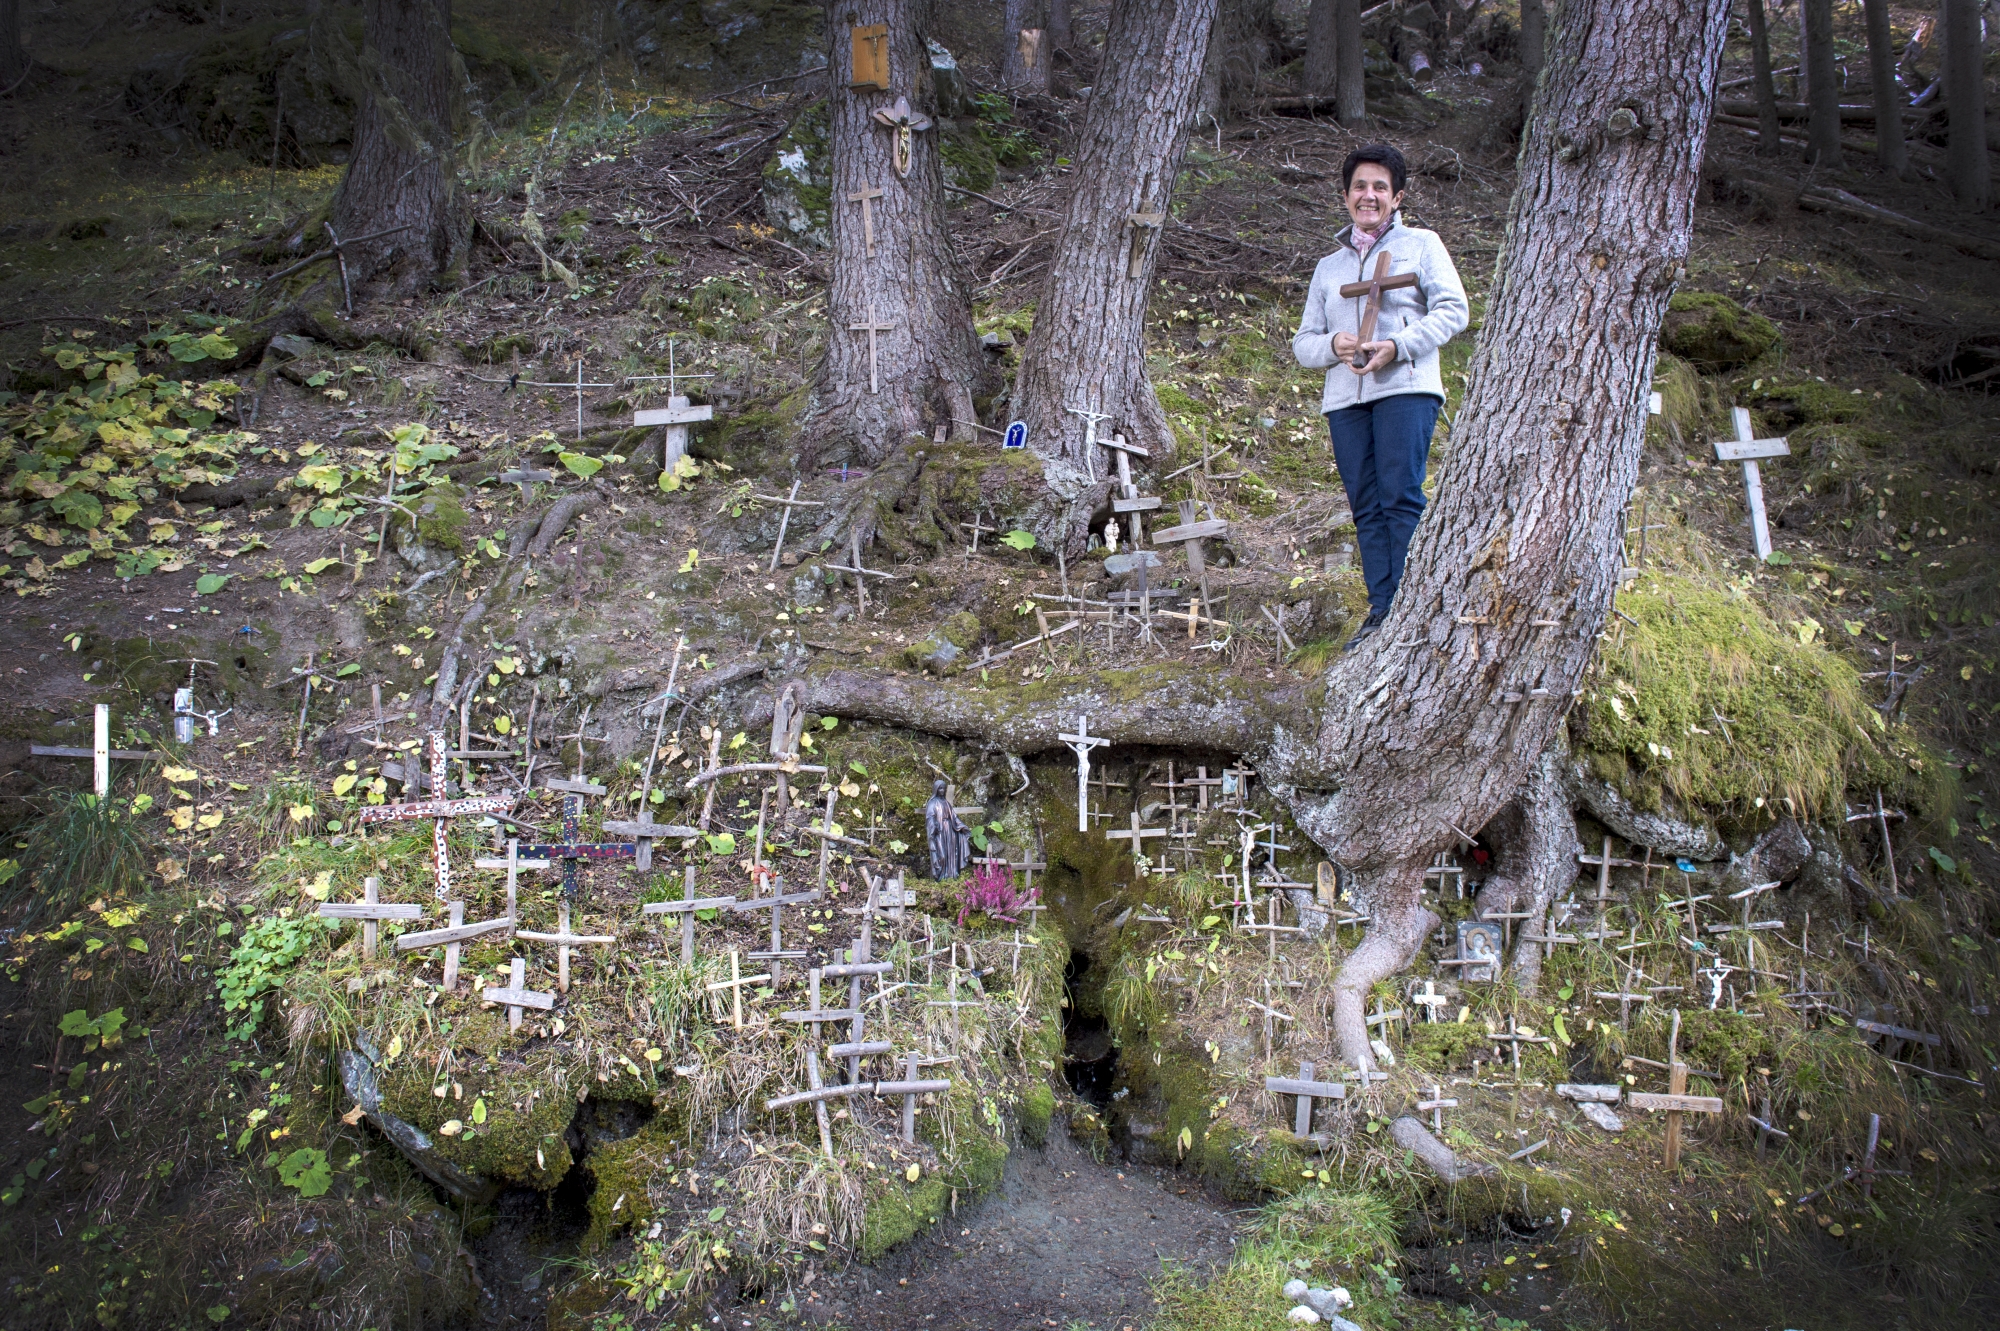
1366, 631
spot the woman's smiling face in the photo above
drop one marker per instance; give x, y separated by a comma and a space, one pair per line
1371, 196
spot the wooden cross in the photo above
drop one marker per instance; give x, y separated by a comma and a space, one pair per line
866, 196
955, 1003
1271, 849
854, 1049
1189, 536
1625, 998
564, 940
788, 503
1137, 836
975, 527
1304, 1090
455, 933
872, 326
644, 831
734, 984
778, 953
1880, 815
1435, 1106
1506, 921
1121, 455
1441, 869
1605, 864
100, 753
516, 994
677, 415
910, 1088
1746, 448
577, 384
1148, 218
816, 1014
1236, 781
439, 811
1373, 289
1430, 1000
1514, 1039
1273, 929
1747, 927
570, 850
371, 910
817, 1093
1676, 1101
1082, 742
1271, 1014
513, 864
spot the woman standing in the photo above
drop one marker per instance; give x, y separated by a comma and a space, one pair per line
1383, 389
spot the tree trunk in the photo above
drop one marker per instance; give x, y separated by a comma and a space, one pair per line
1822, 88
402, 178
1964, 101
13, 56
1350, 91
1535, 840
1024, 61
1890, 149
926, 352
1768, 143
1322, 66
1535, 37
1060, 37
1088, 345
1514, 566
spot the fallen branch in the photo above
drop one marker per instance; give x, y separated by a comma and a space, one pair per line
1826, 199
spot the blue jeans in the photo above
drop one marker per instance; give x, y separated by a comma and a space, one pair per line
1381, 449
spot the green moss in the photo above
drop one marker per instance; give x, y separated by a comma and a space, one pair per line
798, 195
1038, 1107
621, 1171
441, 518
1714, 332
896, 1211
962, 629
1802, 400
968, 158
1444, 1044
522, 1140
1795, 717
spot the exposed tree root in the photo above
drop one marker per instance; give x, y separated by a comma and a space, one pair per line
1414, 1137
1536, 840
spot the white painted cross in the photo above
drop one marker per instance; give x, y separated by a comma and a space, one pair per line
101, 753
564, 941
734, 984
677, 415
516, 994
1430, 1000
513, 864
1746, 448
1083, 742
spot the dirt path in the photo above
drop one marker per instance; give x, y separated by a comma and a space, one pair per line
1065, 1242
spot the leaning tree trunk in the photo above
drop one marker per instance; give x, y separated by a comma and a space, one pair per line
1088, 345
1768, 143
1964, 102
1890, 149
1024, 53
1822, 87
1350, 88
1322, 64
399, 201
909, 287
1514, 566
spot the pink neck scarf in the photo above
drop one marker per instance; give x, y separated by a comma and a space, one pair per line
1363, 241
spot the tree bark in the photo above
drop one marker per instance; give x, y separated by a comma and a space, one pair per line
1441, 715
927, 360
1060, 37
1322, 63
1016, 73
1891, 151
1088, 344
1535, 840
402, 177
13, 56
1964, 100
1768, 143
1822, 89
1350, 90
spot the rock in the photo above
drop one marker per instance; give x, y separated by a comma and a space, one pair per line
1126, 564
808, 588
1302, 1316
357, 1075
1713, 332
1294, 1290
1585, 1092
943, 651
996, 341
1601, 1115
290, 346
798, 181
1665, 831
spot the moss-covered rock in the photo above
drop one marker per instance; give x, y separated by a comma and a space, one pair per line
1038, 1106
798, 180
1714, 332
943, 651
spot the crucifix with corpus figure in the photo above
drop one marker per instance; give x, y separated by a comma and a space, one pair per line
1082, 742
439, 811
1372, 311
905, 123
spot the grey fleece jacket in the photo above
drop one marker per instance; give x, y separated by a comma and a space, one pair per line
1417, 319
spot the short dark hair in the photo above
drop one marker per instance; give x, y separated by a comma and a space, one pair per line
1382, 155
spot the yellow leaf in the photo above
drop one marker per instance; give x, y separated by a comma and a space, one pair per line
178, 773
913, 1173
479, 1110
344, 783
352, 1116
208, 822
395, 1047
692, 562
301, 812
182, 818
654, 1055
451, 1128
503, 725
505, 665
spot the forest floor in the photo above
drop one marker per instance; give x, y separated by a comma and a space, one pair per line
1885, 511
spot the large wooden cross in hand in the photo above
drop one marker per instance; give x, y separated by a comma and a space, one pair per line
1372, 311
440, 811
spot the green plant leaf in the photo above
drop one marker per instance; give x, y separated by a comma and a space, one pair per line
208, 584
351, 668
1943, 861
307, 1170
219, 1313
79, 508
723, 843
318, 566
77, 1023
1018, 540
582, 464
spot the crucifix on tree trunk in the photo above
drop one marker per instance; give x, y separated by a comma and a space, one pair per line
895, 275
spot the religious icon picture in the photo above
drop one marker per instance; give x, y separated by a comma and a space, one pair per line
1017, 435
1479, 942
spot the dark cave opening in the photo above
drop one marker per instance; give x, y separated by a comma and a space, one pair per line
1090, 1058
